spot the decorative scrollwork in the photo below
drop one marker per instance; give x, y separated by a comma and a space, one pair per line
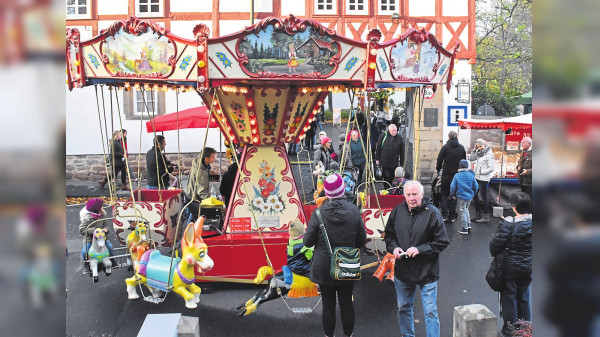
374, 36
201, 30
134, 26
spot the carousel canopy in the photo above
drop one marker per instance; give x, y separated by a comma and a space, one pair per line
267, 81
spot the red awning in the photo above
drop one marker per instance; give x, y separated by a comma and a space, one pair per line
523, 122
194, 118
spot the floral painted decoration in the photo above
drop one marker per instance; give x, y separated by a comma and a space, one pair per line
297, 118
442, 69
382, 63
351, 63
271, 119
185, 62
94, 60
239, 118
223, 58
267, 199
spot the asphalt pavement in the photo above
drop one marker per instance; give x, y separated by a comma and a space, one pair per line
102, 309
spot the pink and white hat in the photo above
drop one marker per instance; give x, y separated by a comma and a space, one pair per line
334, 186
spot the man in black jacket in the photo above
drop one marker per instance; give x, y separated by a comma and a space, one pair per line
154, 156
390, 153
450, 155
415, 233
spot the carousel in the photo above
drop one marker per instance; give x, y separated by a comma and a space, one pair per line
262, 88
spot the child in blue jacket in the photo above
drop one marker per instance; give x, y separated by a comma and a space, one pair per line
463, 188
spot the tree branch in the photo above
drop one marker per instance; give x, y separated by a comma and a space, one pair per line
510, 13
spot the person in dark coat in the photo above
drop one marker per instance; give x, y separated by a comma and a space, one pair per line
228, 180
415, 233
154, 156
448, 158
390, 153
357, 155
515, 255
374, 132
345, 228
117, 160
309, 141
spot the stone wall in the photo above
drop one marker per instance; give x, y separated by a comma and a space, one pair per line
90, 167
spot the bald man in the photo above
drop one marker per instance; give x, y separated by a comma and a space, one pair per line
390, 152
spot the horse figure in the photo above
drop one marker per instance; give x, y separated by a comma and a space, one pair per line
138, 243
98, 253
283, 283
153, 269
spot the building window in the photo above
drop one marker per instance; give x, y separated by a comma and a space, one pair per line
78, 9
388, 6
357, 7
134, 107
149, 8
145, 108
325, 7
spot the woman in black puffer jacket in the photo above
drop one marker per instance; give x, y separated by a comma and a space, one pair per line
345, 228
515, 255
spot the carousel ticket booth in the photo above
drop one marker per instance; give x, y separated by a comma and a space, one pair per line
262, 93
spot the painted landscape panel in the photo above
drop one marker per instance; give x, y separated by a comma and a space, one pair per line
273, 51
413, 61
146, 53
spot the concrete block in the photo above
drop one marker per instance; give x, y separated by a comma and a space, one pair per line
188, 327
497, 212
474, 320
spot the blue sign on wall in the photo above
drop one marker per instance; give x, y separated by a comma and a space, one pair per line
456, 112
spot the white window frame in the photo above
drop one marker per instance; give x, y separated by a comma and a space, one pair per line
356, 11
333, 9
152, 105
387, 4
160, 13
76, 4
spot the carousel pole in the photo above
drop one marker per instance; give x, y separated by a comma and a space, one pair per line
369, 169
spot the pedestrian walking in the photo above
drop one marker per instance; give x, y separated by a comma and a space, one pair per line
447, 161
117, 160
483, 157
124, 139
512, 247
345, 228
463, 187
415, 233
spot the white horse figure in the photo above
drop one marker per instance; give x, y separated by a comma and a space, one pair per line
98, 252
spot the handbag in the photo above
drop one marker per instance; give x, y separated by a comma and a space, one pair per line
494, 276
378, 172
345, 261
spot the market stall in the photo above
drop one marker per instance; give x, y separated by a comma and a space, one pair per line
506, 145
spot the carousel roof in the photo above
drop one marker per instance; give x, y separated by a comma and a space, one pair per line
258, 93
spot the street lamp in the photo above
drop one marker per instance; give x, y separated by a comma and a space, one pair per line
395, 16
463, 91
